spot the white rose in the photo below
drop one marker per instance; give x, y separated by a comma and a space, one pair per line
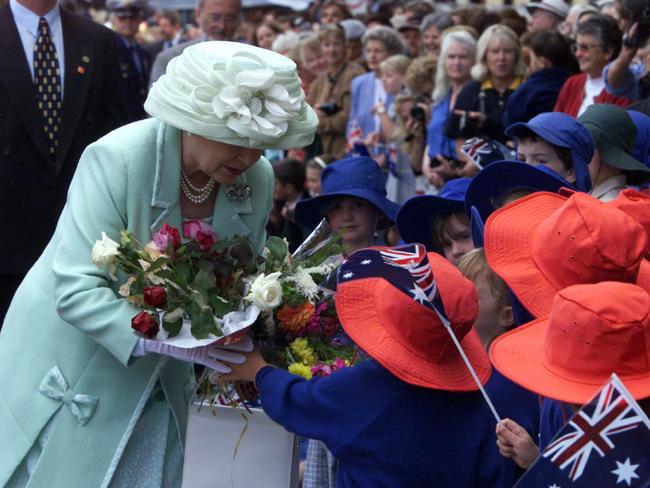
104, 252
266, 292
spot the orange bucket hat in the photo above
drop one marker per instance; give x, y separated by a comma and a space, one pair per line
636, 205
545, 242
593, 331
386, 300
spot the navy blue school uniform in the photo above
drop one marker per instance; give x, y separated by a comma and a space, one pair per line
553, 415
516, 403
385, 432
535, 96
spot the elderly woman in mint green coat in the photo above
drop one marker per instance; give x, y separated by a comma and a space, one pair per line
83, 401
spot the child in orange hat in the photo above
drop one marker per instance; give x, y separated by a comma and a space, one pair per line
593, 330
410, 414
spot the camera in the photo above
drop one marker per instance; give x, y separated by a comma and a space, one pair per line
329, 108
417, 113
636, 11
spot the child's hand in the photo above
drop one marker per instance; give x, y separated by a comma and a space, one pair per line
514, 442
248, 369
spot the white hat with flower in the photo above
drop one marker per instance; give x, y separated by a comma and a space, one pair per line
234, 93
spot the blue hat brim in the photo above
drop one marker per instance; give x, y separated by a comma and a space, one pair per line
309, 212
503, 176
477, 226
415, 216
520, 128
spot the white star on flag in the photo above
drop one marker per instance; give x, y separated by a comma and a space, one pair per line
625, 471
366, 261
419, 295
554, 486
348, 275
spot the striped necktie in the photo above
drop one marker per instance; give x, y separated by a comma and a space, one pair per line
48, 85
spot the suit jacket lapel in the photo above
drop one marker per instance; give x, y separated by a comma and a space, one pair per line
17, 80
79, 62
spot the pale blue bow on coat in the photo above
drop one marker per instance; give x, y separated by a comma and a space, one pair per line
56, 387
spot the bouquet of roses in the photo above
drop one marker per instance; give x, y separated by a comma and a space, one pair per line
191, 287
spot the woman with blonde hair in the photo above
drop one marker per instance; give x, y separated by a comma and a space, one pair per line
457, 55
329, 94
498, 71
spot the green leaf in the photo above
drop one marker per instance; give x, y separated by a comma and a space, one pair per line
173, 328
277, 248
203, 324
205, 279
182, 274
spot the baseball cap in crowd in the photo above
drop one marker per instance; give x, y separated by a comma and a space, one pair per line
642, 146
614, 135
391, 315
401, 23
593, 330
416, 215
349, 177
544, 242
562, 130
498, 179
353, 28
557, 7
127, 8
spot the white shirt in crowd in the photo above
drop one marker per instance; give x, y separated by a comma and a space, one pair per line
593, 87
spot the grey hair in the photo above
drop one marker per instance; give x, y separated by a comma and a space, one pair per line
441, 20
442, 80
496, 31
390, 38
310, 43
285, 42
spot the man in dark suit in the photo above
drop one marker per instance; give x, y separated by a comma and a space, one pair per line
133, 60
218, 20
59, 91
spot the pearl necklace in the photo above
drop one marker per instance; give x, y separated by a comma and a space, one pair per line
195, 194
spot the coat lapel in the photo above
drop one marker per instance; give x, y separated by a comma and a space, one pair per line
79, 62
17, 80
166, 185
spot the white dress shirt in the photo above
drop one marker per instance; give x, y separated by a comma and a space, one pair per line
27, 25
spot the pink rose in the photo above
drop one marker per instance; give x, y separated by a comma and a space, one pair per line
166, 236
201, 232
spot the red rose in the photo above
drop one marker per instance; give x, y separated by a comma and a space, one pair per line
201, 232
156, 296
145, 324
165, 236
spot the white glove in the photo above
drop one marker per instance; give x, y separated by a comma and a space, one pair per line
205, 355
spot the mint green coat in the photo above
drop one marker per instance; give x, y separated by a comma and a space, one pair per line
67, 313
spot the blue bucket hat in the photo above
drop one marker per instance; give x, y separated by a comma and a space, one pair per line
642, 148
415, 217
564, 131
504, 176
349, 177
477, 226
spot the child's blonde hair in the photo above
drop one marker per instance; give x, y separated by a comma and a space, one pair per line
397, 62
473, 264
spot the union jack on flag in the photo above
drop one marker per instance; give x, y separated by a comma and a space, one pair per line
610, 436
414, 259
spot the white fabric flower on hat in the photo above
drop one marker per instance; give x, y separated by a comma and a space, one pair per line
256, 102
252, 102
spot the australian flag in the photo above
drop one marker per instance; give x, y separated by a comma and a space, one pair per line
407, 268
605, 443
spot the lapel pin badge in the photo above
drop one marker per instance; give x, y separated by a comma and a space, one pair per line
85, 59
81, 70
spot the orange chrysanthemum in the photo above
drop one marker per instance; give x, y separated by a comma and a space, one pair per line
294, 319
